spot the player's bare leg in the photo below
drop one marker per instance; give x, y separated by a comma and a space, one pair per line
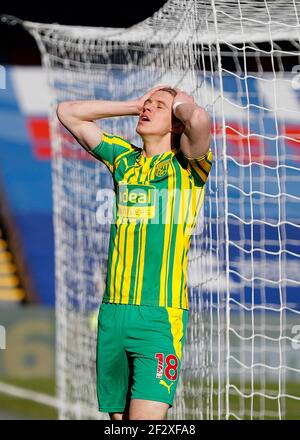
119, 416
141, 409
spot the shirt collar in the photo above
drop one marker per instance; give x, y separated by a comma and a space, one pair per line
141, 159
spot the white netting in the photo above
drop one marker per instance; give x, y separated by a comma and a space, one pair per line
240, 357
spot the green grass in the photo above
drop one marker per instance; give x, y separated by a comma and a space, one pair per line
27, 408
290, 407
260, 406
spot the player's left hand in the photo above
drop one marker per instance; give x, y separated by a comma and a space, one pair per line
183, 97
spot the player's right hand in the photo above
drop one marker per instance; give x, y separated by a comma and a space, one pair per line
140, 101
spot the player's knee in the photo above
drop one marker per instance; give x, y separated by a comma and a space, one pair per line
119, 416
115, 416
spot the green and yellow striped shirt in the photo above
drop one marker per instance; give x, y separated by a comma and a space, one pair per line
158, 200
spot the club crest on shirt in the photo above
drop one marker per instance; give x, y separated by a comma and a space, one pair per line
161, 168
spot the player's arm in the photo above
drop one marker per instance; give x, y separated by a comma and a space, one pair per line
79, 116
195, 139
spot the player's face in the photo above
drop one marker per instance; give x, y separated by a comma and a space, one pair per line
156, 116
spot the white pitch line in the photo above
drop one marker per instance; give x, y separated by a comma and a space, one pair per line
21, 393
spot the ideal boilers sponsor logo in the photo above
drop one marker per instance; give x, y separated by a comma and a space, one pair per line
136, 201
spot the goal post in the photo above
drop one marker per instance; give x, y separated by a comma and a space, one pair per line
239, 60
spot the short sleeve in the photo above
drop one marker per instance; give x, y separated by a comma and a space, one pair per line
200, 168
111, 149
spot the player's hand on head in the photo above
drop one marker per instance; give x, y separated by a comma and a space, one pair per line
183, 97
142, 99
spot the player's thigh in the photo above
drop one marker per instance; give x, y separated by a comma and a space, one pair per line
141, 409
157, 350
112, 362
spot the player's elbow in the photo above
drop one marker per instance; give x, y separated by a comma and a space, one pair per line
69, 111
66, 110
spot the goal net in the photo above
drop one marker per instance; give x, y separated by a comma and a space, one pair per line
239, 60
